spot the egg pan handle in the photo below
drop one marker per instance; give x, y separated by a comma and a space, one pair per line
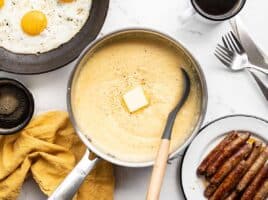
67, 189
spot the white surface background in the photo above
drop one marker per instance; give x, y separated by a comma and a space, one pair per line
229, 93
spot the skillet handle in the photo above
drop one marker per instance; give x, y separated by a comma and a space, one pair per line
67, 189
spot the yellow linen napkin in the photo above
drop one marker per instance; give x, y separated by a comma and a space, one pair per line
49, 148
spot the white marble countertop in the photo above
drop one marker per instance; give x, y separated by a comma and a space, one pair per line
228, 93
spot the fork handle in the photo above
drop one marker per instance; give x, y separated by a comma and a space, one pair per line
260, 69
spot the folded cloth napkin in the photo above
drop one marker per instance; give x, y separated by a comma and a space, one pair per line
49, 148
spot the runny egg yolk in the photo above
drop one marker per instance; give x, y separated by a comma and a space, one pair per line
2, 2
33, 22
66, 1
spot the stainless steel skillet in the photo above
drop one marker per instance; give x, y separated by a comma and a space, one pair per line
69, 186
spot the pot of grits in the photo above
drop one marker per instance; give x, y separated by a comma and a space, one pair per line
119, 96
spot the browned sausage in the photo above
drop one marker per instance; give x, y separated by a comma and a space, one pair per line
257, 147
255, 184
215, 153
210, 189
232, 196
229, 182
253, 170
262, 193
227, 152
231, 163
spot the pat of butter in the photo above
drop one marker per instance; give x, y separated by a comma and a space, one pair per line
135, 99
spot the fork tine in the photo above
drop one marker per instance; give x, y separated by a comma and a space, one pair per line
239, 45
224, 42
223, 56
222, 60
234, 42
223, 51
228, 51
230, 46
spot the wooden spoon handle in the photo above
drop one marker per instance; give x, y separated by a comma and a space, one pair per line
158, 171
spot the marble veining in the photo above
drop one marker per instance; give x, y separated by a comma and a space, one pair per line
229, 93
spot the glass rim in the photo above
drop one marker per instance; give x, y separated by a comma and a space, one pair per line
223, 17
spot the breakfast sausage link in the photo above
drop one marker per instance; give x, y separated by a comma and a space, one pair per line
262, 193
253, 187
253, 170
257, 146
210, 189
229, 182
231, 163
227, 152
232, 196
201, 170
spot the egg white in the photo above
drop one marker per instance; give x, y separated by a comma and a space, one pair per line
64, 20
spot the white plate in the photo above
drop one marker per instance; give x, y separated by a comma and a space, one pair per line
206, 140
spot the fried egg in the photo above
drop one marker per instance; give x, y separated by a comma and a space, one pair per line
30, 26
2, 2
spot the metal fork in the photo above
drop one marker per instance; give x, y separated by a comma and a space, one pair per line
234, 56
229, 56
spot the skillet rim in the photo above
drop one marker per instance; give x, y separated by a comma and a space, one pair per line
51, 60
106, 156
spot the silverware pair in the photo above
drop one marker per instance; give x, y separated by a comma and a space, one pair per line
255, 54
234, 56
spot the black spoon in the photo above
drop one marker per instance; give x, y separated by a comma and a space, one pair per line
163, 152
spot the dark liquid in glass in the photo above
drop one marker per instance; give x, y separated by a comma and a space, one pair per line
216, 7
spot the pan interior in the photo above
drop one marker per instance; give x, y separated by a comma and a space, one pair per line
118, 63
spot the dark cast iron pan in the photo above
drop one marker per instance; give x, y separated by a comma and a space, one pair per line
56, 58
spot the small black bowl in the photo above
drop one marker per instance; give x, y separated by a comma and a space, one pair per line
16, 106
